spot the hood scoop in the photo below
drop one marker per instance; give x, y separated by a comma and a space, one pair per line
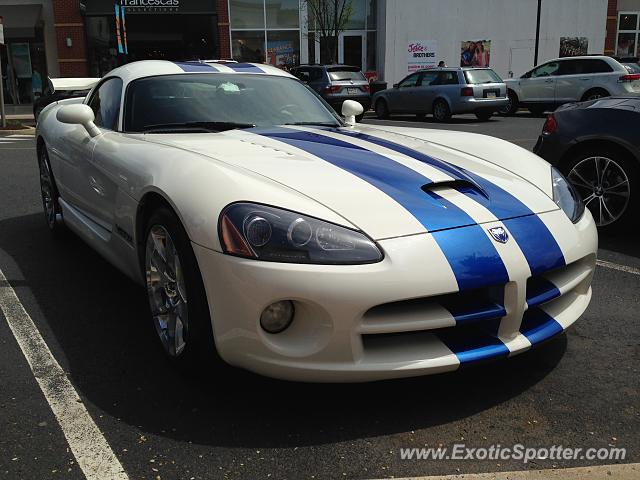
467, 186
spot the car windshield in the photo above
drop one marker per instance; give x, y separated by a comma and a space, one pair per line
220, 101
342, 74
476, 77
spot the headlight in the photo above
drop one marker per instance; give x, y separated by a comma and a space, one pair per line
566, 196
276, 235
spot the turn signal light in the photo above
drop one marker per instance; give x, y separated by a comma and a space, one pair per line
550, 126
467, 92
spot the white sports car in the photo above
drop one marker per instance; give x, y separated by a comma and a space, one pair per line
274, 234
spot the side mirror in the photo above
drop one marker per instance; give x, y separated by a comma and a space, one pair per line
351, 109
396, 85
78, 114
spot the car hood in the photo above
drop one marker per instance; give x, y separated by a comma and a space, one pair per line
386, 183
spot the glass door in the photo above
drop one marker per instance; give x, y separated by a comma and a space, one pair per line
351, 49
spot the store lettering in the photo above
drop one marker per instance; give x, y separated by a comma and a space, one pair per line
150, 3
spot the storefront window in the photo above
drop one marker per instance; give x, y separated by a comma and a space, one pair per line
628, 21
246, 13
628, 31
283, 48
248, 46
371, 14
24, 69
283, 13
358, 15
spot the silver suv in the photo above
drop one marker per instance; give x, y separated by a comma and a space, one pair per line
572, 79
444, 92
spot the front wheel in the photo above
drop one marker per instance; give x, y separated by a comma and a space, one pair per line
441, 111
512, 107
176, 294
49, 193
382, 109
607, 181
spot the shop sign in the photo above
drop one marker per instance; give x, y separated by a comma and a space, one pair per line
421, 54
151, 6
104, 7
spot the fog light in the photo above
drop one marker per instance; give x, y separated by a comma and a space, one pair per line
277, 316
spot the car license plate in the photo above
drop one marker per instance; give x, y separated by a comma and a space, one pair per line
491, 94
352, 91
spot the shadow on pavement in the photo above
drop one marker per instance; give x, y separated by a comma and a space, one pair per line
100, 320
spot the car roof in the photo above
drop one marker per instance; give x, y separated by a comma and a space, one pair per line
149, 68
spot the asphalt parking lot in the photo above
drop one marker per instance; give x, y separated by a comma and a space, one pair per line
580, 390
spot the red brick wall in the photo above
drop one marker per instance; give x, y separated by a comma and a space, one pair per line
70, 24
612, 26
224, 40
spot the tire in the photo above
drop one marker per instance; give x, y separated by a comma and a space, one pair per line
177, 299
537, 111
49, 194
483, 115
620, 179
382, 109
512, 107
441, 111
594, 94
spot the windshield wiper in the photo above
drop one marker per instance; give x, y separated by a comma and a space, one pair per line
195, 126
319, 124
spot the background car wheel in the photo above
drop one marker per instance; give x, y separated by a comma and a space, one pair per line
537, 111
359, 117
177, 298
484, 115
595, 94
49, 193
382, 109
441, 111
607, 179
512, 107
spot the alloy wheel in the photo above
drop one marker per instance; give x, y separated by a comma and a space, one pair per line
166, 290
604, 187
46, 190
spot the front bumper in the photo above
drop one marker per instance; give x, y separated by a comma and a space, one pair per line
387, 320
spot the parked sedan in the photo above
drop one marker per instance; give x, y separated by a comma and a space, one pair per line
444, 92
565, 80
596, 144
336, 83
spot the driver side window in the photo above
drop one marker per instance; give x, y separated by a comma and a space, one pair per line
105, 103
410, 81
545, 70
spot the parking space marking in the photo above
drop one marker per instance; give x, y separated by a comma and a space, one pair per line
616, 266
626, 471
90, 448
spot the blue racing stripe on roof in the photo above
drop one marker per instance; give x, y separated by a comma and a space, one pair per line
532, 235
196, 67
473, 257
244, 68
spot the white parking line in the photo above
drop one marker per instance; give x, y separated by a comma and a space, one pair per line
92, 452
616, 266
627, 471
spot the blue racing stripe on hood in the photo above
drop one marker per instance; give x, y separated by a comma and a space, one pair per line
473, 257
196, 67
533, 237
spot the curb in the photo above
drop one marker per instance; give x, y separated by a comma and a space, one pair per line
23, 131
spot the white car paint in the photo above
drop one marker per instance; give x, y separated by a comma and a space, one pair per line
343, 312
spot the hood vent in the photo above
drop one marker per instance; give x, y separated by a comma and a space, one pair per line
461, 185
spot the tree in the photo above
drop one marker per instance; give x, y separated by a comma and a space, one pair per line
328, 18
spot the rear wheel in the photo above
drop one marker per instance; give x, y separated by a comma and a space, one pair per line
441, 111
176, 294
382, 109
607, 179
594, 94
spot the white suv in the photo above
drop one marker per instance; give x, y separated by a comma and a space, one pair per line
571, 79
